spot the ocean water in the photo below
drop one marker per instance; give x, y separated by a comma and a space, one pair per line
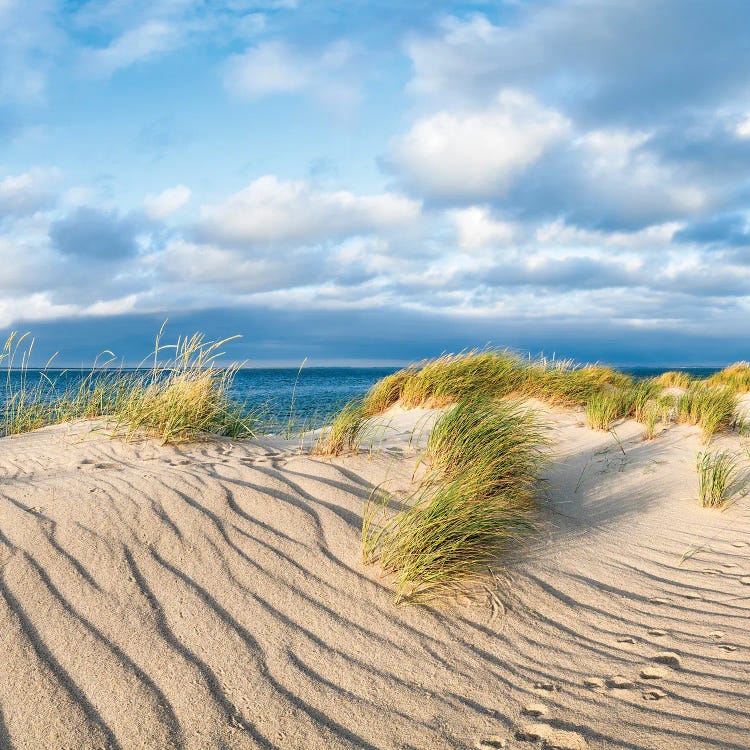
304, 398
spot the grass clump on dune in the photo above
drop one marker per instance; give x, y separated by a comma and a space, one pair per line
716, 474
495, 373
185, 397
566, 384
736, 377
673, 379
176, 400
474, 504
344, 434
452, 377
713, 408
386, 392
602, 410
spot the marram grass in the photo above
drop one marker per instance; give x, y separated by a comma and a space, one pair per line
602, 410
475, 503
673, 379
712, 407
716, 474
345, 432
179, 398
736, 376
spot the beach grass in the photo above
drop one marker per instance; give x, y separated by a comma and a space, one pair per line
736, 377
716, 473
496, 373
602, 410
344, 433
475, 502
673, 379
181, 396
711, 407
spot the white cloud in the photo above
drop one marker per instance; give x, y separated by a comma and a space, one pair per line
271, 210
134, 45
28, 192
167, 202
743, 127
475, 228
275, 67
620, 170
38, 306
476, 154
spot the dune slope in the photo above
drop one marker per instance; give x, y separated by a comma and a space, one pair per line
212, 596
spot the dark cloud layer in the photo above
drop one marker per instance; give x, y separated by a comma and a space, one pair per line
393, 336
96, 234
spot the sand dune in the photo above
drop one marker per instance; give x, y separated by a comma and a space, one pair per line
212, 596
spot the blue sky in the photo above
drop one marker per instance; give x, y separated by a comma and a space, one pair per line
378, 181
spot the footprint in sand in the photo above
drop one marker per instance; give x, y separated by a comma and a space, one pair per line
727, 647
657, 633
738, 544
653, 673
546, 687
534, 709
554, 739
659, 600
729, 566
618, 682
745, 580
593, 682
670, 658
691, 595
716, 634
626, 639
653, 695
491, 743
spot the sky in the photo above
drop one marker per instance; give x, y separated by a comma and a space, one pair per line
378, 182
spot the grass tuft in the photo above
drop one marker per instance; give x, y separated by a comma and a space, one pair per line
602, 410
715, 476
736, 377
474, 504
177, 399
713, 408
345, 433
386, 392
673, 379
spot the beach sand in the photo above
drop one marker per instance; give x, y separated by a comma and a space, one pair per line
213, 596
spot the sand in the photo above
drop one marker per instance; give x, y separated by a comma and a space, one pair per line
213, 596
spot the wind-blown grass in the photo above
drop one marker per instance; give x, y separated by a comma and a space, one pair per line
716, 474
602, 410
736, 376
386, 392
345, 433
495, 373
177, 399
713, 408
474, 504
673, 379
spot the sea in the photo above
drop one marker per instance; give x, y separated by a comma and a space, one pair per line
292, 397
